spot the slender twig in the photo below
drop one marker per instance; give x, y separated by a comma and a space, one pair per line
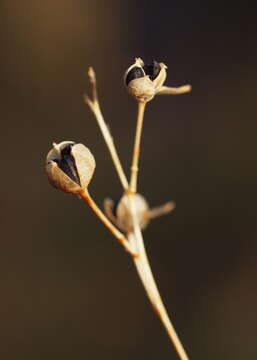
136, 151
161, 210
95, 108
137, 241
146, 276
174, 90
119, 236
145, 273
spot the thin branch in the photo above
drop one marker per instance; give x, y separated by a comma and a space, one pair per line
161, 210
92, 80
145, 273
119, 236
95, 108
136, 151
166, 90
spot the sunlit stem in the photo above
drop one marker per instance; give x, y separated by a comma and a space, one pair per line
145, 273
136, 151
95, 108
166, 90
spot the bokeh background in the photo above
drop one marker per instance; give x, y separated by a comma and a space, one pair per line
68, 290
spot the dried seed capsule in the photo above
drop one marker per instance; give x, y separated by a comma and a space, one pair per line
122, 212
70, 166
143, 81
119, 212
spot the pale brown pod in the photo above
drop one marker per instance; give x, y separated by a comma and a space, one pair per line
120, 212
70, 166
143, 80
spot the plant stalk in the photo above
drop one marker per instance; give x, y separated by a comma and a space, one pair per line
145, 273
136, 151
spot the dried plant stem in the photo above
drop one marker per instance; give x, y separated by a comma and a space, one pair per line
136, 151
95, 108
166, 90
134, 242
137, 241
145, 273
119, 236
161, 210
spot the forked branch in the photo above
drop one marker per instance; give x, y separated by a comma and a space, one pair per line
134, 242
96, 110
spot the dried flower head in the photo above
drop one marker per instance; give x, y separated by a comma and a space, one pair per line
143, 81
70, 166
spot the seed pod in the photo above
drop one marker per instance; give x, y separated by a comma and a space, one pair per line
122, 212
143, 81
119, 212
70, 166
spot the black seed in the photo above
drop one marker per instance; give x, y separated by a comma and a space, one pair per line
67, 164
152, 69
67, 149
135, 73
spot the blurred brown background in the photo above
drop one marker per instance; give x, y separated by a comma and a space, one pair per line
68, 290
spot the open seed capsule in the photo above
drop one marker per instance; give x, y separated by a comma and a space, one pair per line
70, 166
143, 81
